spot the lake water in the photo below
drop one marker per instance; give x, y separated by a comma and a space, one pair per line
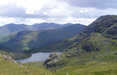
36, 57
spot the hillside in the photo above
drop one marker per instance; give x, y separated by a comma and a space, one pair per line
94, 53
35, 40
10, 29
105, 25
102, 24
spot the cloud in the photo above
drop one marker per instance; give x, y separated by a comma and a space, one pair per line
6, 20
15, 11
57, 11
33, 8
99, 4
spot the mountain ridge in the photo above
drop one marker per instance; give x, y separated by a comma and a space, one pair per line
12, 28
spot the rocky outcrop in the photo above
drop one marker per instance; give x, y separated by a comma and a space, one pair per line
7, 58
53, 58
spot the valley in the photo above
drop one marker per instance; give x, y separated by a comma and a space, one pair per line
58, 37
84, 50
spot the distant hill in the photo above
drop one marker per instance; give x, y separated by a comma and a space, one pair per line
46, 26
10, 29
35, 40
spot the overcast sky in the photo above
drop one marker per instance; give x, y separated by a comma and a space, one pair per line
57, 11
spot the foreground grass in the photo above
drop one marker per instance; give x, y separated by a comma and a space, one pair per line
8, 67
105, 64
91, 68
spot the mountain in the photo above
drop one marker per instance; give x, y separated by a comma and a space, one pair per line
94, 46
11, 29
106, 25
46, 26
102, 23
91, 52
51, 37
35, 40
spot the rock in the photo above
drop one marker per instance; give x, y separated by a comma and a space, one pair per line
51, 61
8, 58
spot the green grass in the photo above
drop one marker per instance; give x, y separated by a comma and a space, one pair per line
7, 67
87, 64
90, 64
91, 68
93, 63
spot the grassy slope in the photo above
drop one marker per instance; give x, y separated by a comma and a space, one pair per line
7, 67
83, 65
91, 68
90, 64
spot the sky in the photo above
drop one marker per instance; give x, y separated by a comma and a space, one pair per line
55, 11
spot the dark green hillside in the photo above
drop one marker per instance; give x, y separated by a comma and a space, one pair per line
10, 29
48, 38
67, 43
26, 41
17, 43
